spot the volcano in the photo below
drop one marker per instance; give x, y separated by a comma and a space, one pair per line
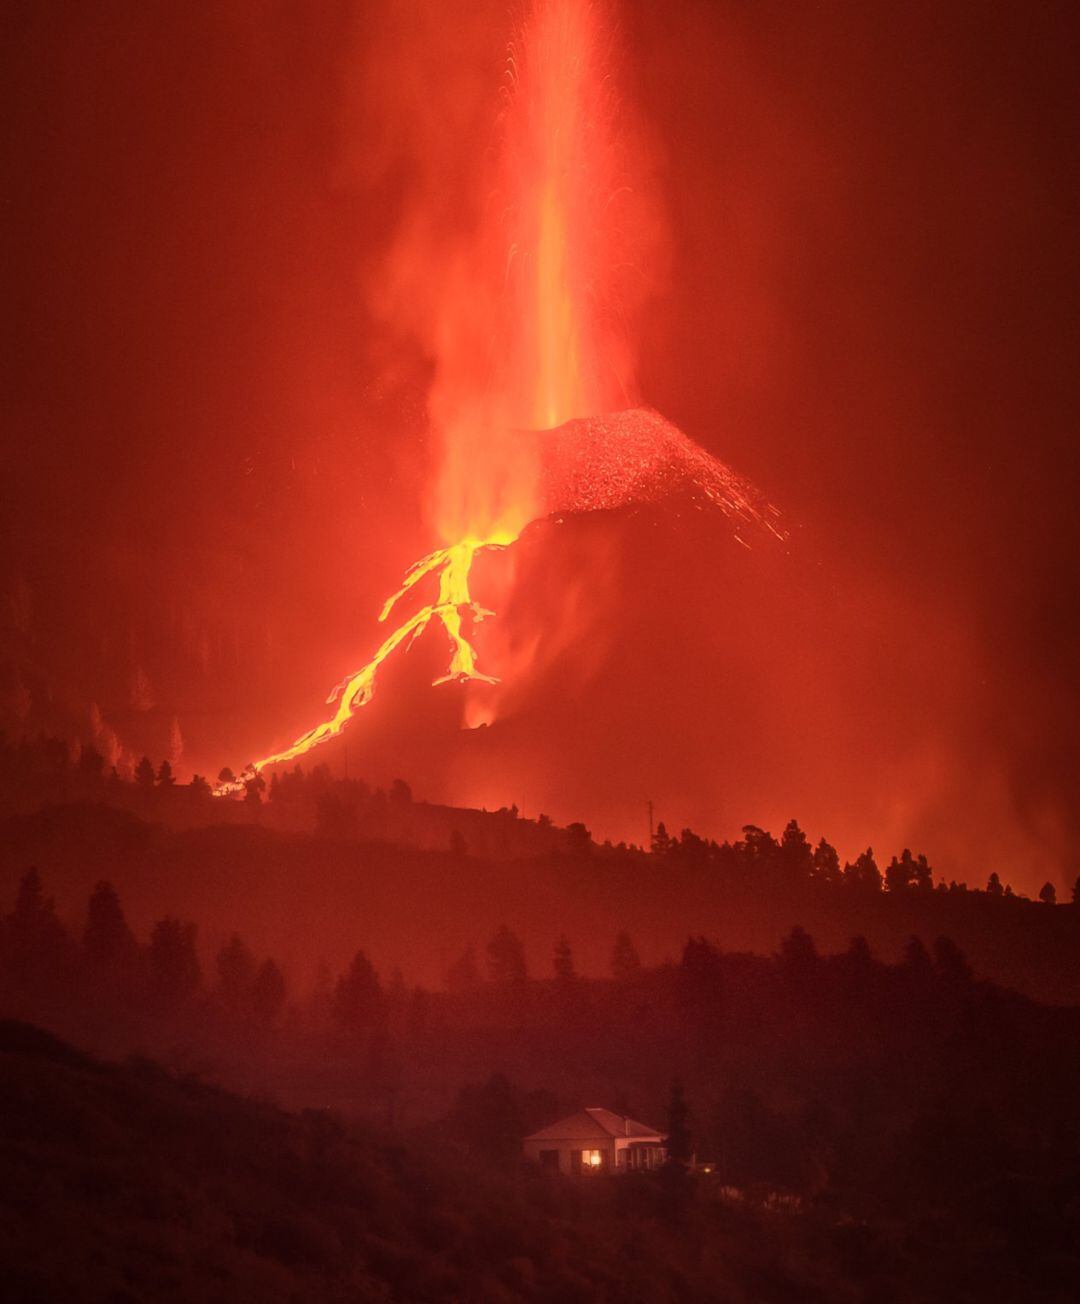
585, 465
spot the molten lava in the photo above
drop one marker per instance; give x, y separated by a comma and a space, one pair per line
453, 606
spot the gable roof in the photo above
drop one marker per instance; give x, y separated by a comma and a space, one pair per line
596, 1125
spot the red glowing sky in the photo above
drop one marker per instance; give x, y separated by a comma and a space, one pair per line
860, 279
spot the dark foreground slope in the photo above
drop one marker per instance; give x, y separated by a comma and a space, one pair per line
124, 1183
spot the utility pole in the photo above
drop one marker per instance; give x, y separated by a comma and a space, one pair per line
649, 847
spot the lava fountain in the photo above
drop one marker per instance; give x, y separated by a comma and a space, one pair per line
532, 397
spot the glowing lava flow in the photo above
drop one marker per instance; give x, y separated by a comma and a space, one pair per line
453, 566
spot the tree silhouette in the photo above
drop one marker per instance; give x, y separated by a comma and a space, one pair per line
908, 872
36, 949
144, 774
506, 959
679, 1142
199, 788
108, 942
236, 974
757, 845
700, 961
564, 961
661, 841
859, 963
1048, 894
173, 968
825, 865
950, 962
578, 838
916, 961
490, 1119
165, 776
924, 877
358, 996
864, 873
625, 961
795, 854
901, 874
798, 954
993, 886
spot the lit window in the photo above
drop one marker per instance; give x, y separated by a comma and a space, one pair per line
591, 1158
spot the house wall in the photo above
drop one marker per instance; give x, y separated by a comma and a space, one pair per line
566, 1150
647, 1156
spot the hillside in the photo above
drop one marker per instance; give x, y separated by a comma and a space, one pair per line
418, 909
122, 1183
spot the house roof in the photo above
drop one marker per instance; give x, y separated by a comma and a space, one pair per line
596, 1125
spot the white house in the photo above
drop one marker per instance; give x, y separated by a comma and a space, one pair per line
597, 1141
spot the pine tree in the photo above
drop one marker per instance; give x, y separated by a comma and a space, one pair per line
173, 964
236, 974
199, 788
506, 959
924, 876
625, 961
950, 962
37, 949
859, 953
826, 863
358, 995
864, 873
798, 954
144, 774
108, 942
679, 1141
661, 840
916, 962
795, 854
